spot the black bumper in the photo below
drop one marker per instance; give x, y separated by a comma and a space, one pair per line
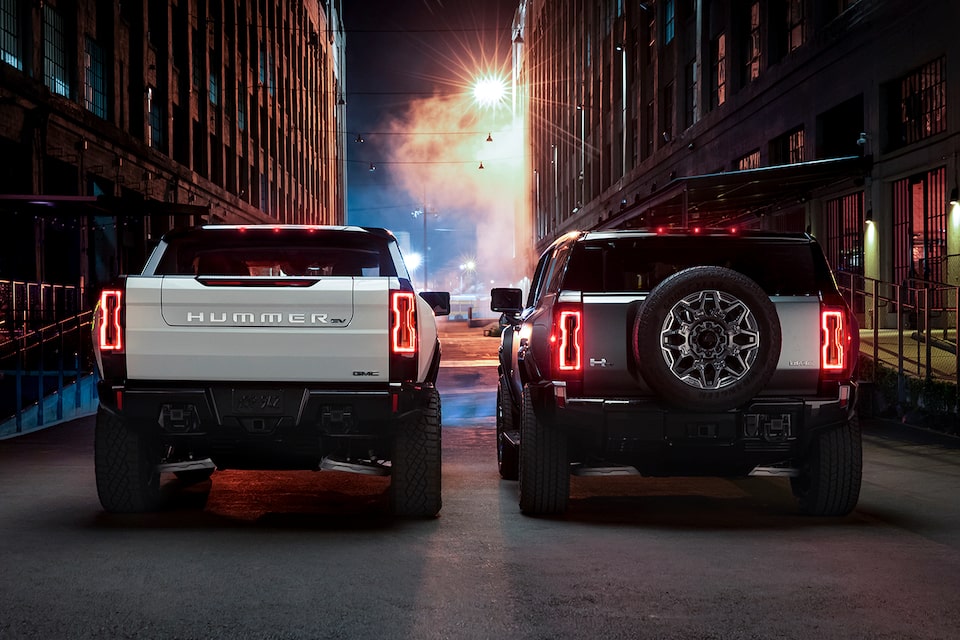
266, 425
665, 440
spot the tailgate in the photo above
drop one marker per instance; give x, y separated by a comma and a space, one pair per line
609, 368
250, 329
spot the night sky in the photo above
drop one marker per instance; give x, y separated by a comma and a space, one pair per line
407, 65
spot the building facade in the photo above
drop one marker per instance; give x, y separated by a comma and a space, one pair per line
838, 117
120, 120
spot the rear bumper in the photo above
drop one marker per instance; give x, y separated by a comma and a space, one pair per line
663, 440
264, 425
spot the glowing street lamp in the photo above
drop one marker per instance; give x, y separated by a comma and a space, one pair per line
489, 90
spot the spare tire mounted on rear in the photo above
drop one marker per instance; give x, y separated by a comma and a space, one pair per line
707, 339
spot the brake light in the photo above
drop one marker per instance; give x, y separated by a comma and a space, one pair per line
566, 342
839, 345
403, 324
110, 334
833, 340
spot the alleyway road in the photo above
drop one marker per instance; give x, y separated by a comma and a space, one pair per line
313, 555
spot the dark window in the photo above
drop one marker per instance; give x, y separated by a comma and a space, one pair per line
788, 148
795, 23
690, 103
845, 233
923, 102
640, 264
753, 44
95, 96
155, 107
718, 71
288, 253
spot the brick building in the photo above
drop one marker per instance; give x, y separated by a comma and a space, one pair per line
840, 117
120, 120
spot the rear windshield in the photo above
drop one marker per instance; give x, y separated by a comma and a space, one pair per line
288, 253
640, 264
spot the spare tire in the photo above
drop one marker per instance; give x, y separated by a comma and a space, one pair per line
707, 339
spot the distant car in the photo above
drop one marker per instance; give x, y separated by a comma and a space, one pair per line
680, 353
269, 347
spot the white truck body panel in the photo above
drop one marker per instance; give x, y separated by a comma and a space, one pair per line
286, 340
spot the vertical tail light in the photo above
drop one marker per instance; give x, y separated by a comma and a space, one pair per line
567, 342
839, 344
404, 339
403, 323
110, 330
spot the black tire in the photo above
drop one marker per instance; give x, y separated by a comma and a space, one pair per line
707, 339
416, 464
830, 476
125, 462
508, 454
544, 464
193, 476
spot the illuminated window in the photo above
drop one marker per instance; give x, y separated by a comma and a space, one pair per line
55, 52
242, 108
923, 102
669, 22
749, 161
214, 89
10, 33
95, 92
919, 227
795, 22
845, 233
753, 47
718, 71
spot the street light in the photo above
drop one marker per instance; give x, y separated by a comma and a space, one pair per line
416, 214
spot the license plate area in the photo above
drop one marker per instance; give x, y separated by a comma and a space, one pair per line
257, 402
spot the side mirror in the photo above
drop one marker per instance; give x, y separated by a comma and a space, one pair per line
439, 301
504, 300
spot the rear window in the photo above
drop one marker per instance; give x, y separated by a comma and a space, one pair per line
640, 264
287, 253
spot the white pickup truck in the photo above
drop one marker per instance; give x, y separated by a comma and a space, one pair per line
268, 347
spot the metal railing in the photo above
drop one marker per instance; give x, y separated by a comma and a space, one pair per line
26, 306
909, 327
37, 363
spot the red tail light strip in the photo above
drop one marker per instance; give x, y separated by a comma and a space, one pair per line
111, 331
403, 328
570, 347
832, 341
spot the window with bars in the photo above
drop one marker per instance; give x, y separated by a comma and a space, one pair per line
923, 102
749, 161
718, 71
242, 107
919, 227
95, 89
55, 74
753, 45
795, 24
10, 45
845, 233
788, 148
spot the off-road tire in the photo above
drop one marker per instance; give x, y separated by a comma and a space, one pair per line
125, 463
831, 474
416, 464
667, 316
508, 456
544, 464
